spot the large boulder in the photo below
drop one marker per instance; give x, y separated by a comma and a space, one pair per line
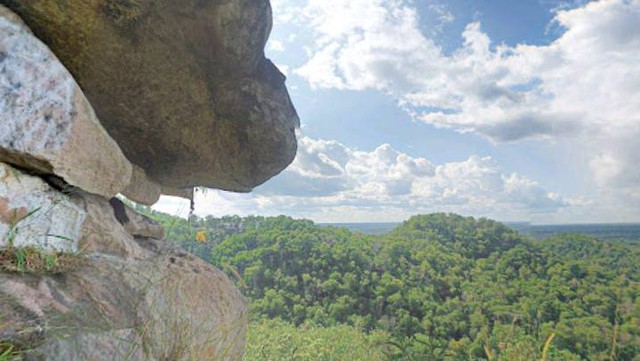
183, 86
129, 296
46, 123
168, 306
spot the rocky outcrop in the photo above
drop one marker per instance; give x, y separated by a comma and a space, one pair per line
159, 308
46, 123
186, 92
134, 297
183, 86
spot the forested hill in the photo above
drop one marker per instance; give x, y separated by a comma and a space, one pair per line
437, 287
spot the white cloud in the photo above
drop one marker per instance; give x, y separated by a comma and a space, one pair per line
583, 86
331, 182
284, 11
443, 13
275, 45
582, 89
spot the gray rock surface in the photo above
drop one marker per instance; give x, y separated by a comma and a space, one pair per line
34, 214
46, 123
167, 306
185, 90
183, 86
133, 297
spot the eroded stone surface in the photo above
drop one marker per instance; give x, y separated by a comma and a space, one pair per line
141, 189
133, 297
101, 232
34, 214
183, 86
186, 193
142, 226
46, 123
167, 306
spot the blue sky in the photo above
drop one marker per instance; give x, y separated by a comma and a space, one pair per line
522, 110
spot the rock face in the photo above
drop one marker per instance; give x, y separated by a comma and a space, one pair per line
134, 298
186, 92
34, 214
159, 308
183, 86
46, 123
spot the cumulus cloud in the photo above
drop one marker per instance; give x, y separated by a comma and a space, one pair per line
585, 85
582, 89
332, 182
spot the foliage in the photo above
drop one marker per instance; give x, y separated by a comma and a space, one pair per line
7, 353
198, 235
275, 340
439, 286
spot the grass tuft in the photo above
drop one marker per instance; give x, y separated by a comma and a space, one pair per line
38, 261
8, 353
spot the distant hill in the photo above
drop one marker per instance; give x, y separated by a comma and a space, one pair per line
622, 231
366, 228
435, 287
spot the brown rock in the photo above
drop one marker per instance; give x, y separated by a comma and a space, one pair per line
186, 193
101, 232
183, 86
32, 213
157, 308
133, 297
141, 189
139, 225
46, 123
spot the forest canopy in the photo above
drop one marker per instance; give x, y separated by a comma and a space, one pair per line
437, 287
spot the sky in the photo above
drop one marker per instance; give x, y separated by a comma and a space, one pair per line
523, 110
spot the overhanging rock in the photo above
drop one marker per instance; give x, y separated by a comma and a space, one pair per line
183, 86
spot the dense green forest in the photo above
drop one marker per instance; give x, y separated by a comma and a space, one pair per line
438, 287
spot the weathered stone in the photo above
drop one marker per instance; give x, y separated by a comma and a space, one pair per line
122, 344
46, 123
133, 298
34, 214
101, 232
168, 306
183, 86
141, 189
186, 193
139, 225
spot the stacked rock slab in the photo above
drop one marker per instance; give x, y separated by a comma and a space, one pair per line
133, 298
186, 92
183, 86
46, 123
